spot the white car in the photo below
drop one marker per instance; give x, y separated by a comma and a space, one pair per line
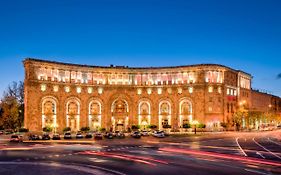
159, 134
145, 133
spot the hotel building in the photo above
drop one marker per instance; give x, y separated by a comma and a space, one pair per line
116, 97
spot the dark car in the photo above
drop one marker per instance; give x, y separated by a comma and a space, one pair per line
8, 131
67, 135
98, 136
46, 137
56, 137
109, 135
79, 135
136, 134
89, 135
16, 138
34, 137
1, 132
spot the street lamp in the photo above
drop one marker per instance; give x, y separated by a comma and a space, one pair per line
195, 123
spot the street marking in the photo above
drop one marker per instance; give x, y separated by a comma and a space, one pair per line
266, 149
274, 142
255, 171
258, 153
240, 147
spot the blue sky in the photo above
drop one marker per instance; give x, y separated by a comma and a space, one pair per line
241, 34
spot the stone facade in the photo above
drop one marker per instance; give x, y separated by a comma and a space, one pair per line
69, 95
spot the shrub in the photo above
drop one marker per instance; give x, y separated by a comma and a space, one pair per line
135, 127
152, 126
23, 130
47, 129
223, 124
66, 129
167, 126
201, 125
85, 129
187, 125
102, 129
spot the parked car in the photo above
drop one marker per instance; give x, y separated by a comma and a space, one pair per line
109, 135
79, 135
8, 131
16, 138
279, 127
159, 134
1, 132
98, 136
56, 137
119, 134
34, 137
67, 135
46, 136
144, 133
89, 135
136, 134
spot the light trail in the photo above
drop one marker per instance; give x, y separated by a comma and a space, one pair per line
274, 142
128, 156
237, 142
117, 156
221, 156
89, 169
266, 149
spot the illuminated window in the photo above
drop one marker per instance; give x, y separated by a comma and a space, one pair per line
139, 91
210, 89
219, 90
190, 90
67, 89
78, 90
56, 88
228, 91
169, 90
90, 90
231, 91
235, 93
179, 90
210, 109
149, 91
159, 91
100, 90
43, 87
213, 77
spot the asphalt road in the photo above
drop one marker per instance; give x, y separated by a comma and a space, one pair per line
221, 153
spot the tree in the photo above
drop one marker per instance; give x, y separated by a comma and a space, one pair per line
237, 119
10, 115
12, 106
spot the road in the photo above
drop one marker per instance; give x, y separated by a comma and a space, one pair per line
218, 153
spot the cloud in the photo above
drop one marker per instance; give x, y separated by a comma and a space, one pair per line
278, 76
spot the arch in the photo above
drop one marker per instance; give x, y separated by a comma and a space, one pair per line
183, 102
49, 112
144, 113
165, 112
165, 107
119, 112
120, 100
94, 114
73, 106
185, 111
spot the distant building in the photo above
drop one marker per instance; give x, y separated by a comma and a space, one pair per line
116, 97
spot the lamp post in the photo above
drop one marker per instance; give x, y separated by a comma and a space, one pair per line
195, 123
